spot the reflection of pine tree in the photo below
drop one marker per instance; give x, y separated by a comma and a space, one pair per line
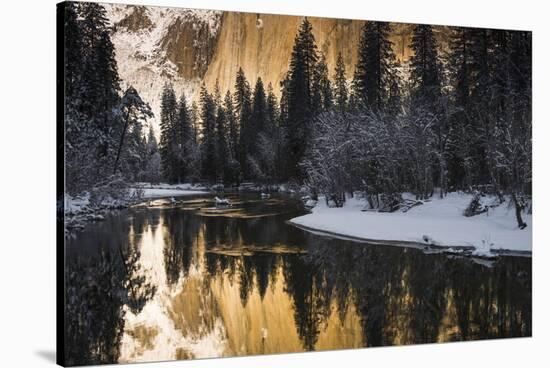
263, 268
180, 243
97, 290
246, 278
300, 284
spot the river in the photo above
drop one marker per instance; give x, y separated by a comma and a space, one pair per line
187, 280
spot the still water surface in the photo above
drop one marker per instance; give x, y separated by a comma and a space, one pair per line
187, 280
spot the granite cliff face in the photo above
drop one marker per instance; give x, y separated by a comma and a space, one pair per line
156, 45
186, 47
262, 44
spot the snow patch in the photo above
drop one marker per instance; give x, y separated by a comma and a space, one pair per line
438, 222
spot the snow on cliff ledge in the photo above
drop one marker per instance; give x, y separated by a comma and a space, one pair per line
141, 48
440, 221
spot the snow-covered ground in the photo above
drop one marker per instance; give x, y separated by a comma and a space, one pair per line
439, 222
79, 209
149, 191
137, 192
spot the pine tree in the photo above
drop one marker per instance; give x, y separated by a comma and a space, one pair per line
373, 76
425, 67
272, 132
74, 50
300, 114
152, 145
208, 141
94, 23
322, 99
168, 133
461, 134
340, 85
251, 133
101, 88
93, 125
284, 101
134, 156
222, 157
99, 65
185, 138
194, 121
243, 110
242, 94
272, 112
75, 125
153, 164
258, 118
232, 172
232, 124
217, 93
134, 113
427, 97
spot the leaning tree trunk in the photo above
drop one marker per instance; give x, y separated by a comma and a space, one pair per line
120, 144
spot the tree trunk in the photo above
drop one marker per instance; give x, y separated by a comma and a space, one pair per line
519, 207
120, 144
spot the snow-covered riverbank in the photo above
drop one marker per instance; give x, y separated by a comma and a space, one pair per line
438, 223
150, 191
81, 209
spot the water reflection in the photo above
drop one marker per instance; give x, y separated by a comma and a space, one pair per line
179, 282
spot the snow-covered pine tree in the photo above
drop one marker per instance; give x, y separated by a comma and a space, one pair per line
133, 113
284, 102
100, 71
92, 97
